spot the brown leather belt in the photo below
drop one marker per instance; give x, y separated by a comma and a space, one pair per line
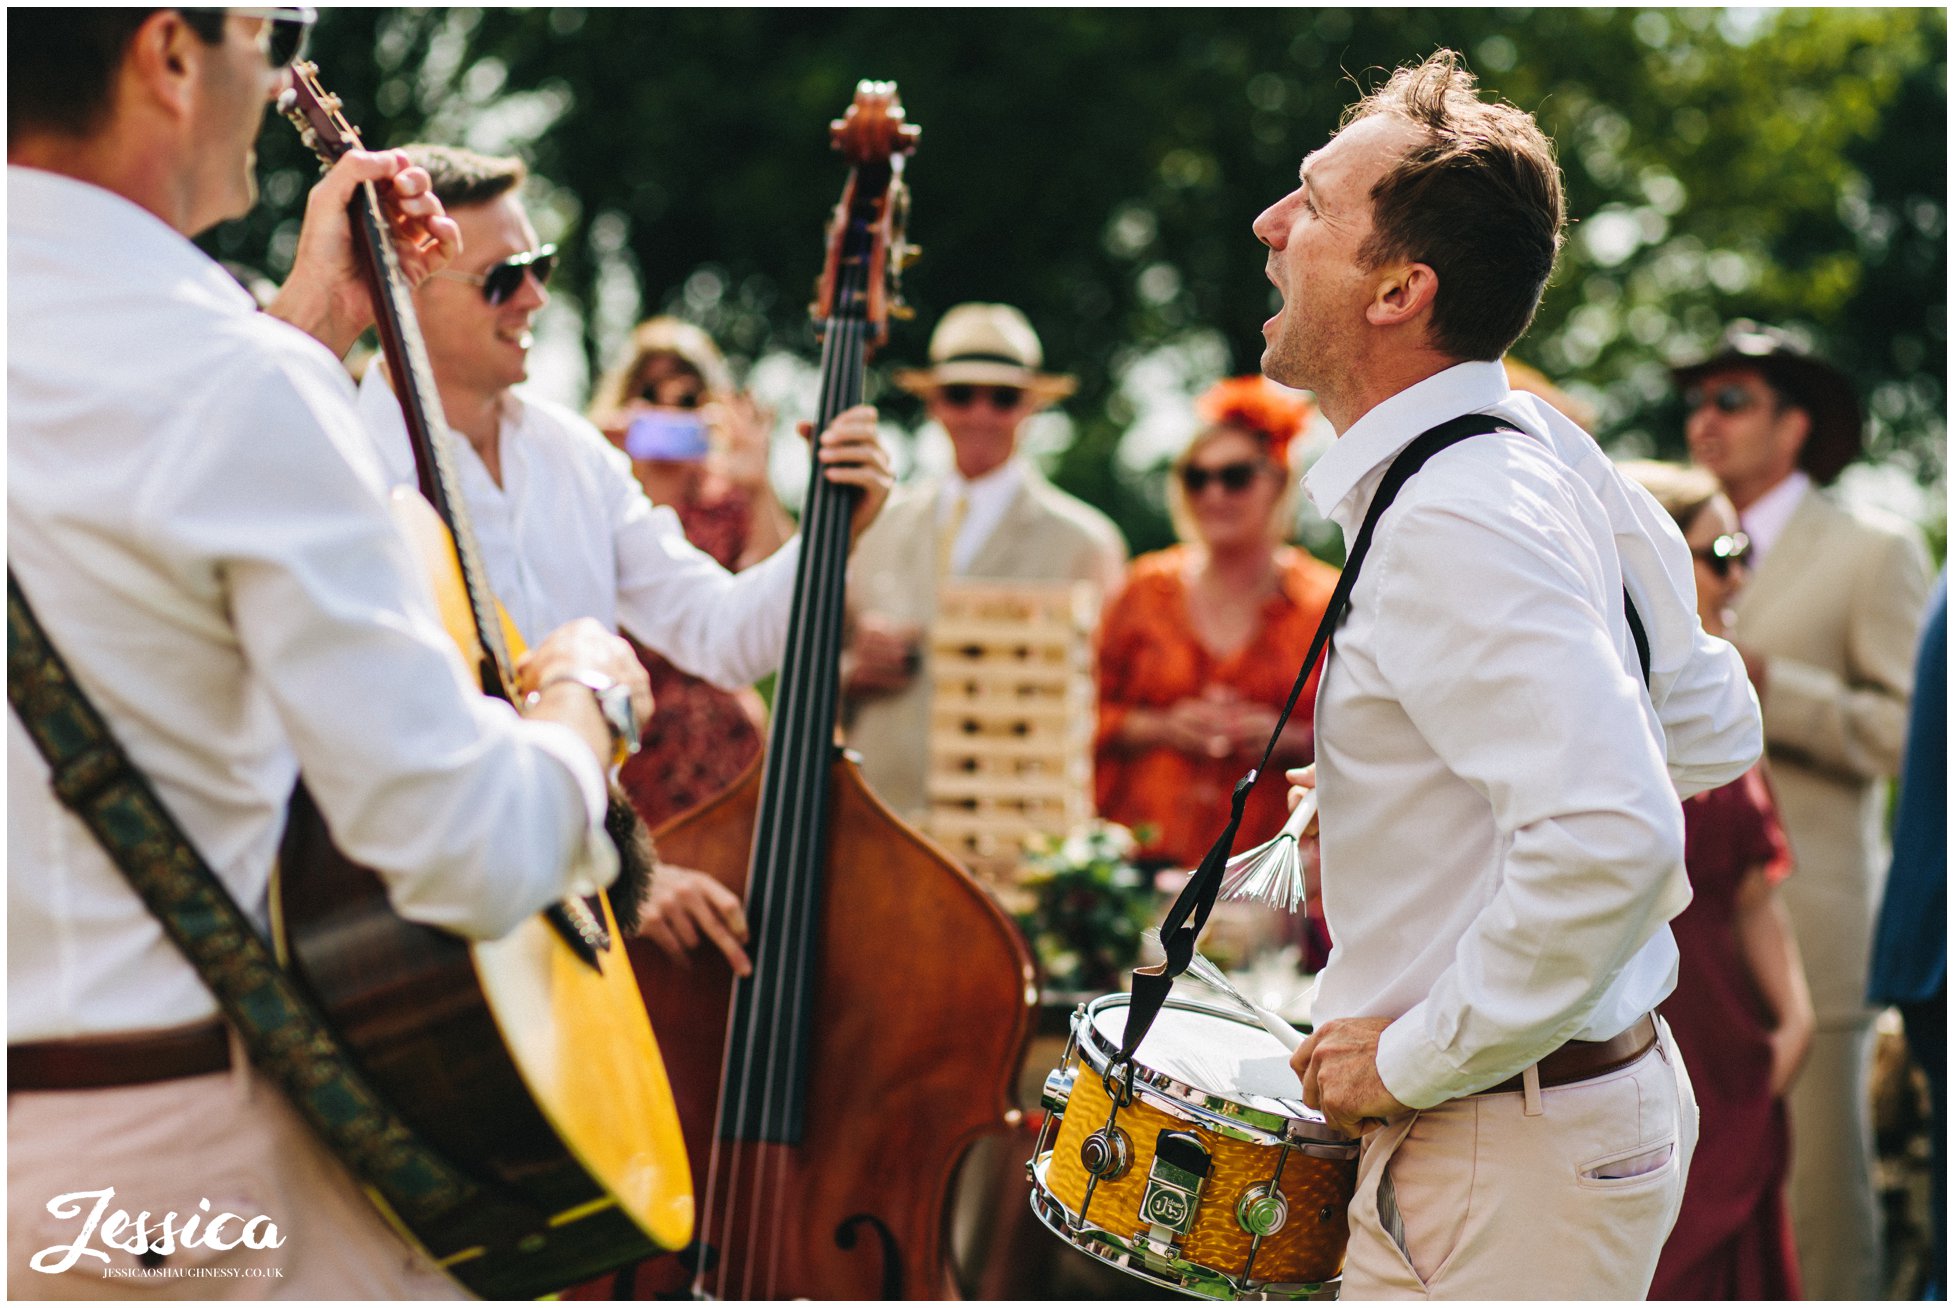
1579, 1060
99, 1062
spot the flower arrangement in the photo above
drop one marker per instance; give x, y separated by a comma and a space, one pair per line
1090, 905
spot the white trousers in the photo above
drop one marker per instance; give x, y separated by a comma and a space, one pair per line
1567, 1194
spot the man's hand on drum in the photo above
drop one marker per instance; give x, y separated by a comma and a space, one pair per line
1337, 1064
683, 905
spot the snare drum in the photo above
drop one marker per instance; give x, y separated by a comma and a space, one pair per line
1204, 1172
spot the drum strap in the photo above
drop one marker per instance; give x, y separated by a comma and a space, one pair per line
1177, 933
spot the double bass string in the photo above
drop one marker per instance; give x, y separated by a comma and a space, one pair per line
830, 529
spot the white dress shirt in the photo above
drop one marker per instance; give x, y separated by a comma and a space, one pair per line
1770, 513
195, 515
1501, 834
570, 534
986, 500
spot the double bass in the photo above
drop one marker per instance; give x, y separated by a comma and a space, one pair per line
827, 1099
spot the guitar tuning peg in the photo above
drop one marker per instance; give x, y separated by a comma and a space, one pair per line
902, 311
910, 254
334, 104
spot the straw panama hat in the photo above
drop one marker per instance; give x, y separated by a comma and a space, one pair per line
986, 345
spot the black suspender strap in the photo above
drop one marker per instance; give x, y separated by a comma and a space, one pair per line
288, 1038
1189, 915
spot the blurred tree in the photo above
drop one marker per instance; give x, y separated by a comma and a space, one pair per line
1100, 168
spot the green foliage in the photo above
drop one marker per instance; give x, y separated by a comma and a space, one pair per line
1101, 169
1090, 906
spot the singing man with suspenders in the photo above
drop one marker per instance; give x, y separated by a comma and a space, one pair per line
195, 517
1501, 837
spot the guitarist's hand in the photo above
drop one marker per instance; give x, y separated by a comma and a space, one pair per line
853, 455
682, 905
582, 645
326, 296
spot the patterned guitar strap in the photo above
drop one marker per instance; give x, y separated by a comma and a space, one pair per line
1187, 918
286, 1035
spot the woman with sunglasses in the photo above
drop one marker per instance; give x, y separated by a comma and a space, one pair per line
1741, 1012
1197, 653
700, 448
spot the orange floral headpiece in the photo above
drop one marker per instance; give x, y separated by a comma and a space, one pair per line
1256, 404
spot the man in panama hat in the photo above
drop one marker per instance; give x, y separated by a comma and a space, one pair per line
993, 516
1827, 628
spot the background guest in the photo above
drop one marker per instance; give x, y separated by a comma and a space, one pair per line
1910, 949
992, 516
1827, 627
1741, 1012
1199, 650
700, 447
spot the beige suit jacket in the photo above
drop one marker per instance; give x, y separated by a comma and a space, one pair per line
1836, 608
1045, 535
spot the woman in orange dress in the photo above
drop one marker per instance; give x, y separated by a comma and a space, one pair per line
1198, 651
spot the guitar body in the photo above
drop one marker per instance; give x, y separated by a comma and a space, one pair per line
523, 1064
898, 1092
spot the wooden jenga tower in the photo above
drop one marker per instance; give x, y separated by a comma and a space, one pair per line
1011, 719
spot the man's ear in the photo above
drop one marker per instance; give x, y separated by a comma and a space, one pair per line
1793, 424
1404, 292
162, 62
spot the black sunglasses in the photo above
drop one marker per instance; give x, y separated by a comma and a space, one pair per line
1234, 477
1724, 553
287, 29
1730, 398
500, 281
1002, 398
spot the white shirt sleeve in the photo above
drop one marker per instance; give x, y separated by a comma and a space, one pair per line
475, 818
1489, 635
674, 598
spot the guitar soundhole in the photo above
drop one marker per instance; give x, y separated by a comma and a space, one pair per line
845, 1238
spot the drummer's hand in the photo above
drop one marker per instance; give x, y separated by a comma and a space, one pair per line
1301, 780
682, 905
1337, 1064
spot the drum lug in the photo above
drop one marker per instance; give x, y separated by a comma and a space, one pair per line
1181, 1164
1106, 1153
1058, 1089
1262, 1210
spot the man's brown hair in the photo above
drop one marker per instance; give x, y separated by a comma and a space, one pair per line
1480, 201
62, 63
462, 177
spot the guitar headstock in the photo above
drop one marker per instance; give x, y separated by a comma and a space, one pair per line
317, 113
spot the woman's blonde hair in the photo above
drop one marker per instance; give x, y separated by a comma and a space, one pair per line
674, 338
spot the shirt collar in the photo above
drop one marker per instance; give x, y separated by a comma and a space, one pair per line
990, 491
1765, 520
1376, 438
127, 241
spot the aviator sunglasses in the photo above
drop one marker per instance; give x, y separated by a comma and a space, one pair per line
1730, 398
1234, 477
1002, 398
1724, 553
500, 281
287, 28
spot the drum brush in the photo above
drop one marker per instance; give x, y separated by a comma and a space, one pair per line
1273, 872
1208, 974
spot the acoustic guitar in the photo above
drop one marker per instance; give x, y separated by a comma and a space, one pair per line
527, 1062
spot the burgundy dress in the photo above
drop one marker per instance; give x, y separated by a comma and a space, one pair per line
700, 738
1733, 1237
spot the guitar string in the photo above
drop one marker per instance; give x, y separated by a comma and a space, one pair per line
832, 543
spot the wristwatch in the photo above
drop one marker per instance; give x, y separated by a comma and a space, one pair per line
614, 702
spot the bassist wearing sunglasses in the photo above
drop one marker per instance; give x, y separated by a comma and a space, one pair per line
203, 535
565, 529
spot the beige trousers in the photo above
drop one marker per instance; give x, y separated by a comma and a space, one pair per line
229, 1140
1561, 1193
1835, 1215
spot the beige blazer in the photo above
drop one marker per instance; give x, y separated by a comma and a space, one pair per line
1836, 608
1045, 535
